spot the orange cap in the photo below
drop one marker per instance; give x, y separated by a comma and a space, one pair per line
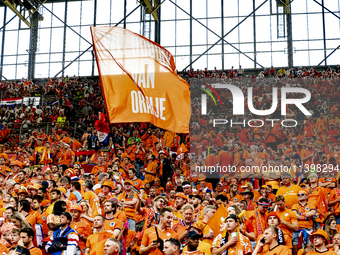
108, 184
273, 214
77, 208
128, 181
319, 232
303, 191
62, 190
182, 196
35, 186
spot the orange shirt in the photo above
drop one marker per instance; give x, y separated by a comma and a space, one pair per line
66, 157
3, 249
301, 210
277, 250
169, 136
335, 193
97, 168
197, 252
323, 253
234, 199
113, 224
243, 245
290, 194
152, 167
84, 229
317, 197
120, 215
35, 251
138, 184
150, 236
94, 240
129, 212
94, 202
42, 220
31, 218
288, 216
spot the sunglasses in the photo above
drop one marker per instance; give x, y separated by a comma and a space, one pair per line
300, 195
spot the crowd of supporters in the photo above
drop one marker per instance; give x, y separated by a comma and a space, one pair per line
136, 192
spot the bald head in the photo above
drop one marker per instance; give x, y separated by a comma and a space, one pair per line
112, 247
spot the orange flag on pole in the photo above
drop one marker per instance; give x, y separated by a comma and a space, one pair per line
139, 80
182, 149
217, 221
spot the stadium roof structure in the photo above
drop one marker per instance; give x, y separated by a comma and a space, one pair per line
257, 34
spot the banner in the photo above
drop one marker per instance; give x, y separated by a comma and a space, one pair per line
31, 101
139, 80
11, 101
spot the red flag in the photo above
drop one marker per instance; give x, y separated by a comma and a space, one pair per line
102, 127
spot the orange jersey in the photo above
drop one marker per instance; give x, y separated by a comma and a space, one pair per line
152, 167
94, 239
277, 250
335, 194
290, 217
83, 229
42, 220
138, 184
31, 218
94, 202
66, 157
299, 209
243, 245
96, 169
318, 196
3, 249
290, 194
197, 252
35, 251
323, 253
113, 224
120, 215
129, 212
150, 236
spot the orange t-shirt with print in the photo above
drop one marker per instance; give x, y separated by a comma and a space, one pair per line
84, 229
113, 224
243, 245
94, 240
150, 236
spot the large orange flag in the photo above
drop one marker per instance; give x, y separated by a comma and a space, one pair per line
217, 221
139, 80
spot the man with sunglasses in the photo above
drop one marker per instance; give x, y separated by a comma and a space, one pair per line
304, 212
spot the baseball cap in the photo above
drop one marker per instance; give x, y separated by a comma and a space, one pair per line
182, 196
128, 181
77, 208
193, 234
